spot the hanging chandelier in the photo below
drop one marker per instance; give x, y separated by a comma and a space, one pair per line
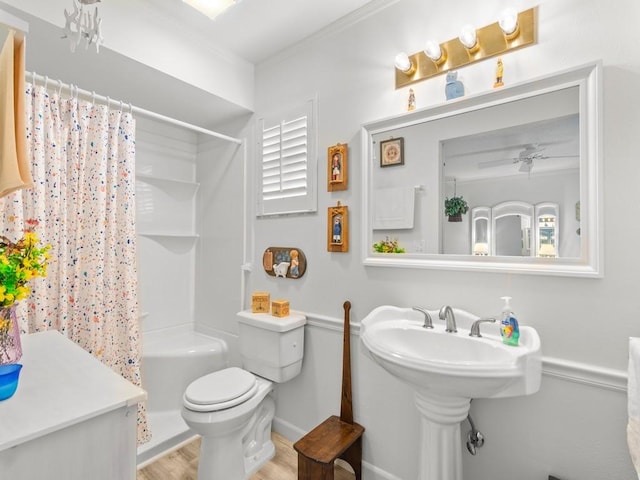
81, 26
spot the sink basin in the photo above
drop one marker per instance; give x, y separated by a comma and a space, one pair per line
452, 364
447, 370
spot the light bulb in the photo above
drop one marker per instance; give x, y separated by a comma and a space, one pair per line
403, 62
433, 51
508, 21
468, 36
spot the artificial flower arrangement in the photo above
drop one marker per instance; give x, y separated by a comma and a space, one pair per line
20, 262
388, 246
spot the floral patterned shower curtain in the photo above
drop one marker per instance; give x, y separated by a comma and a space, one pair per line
82, 160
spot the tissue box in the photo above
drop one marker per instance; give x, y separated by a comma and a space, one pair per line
260, 302
280, 308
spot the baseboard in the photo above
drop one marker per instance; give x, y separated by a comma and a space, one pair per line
287, 430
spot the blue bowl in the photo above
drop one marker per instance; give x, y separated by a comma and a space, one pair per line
9, 379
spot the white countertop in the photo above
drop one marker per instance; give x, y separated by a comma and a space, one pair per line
60, 385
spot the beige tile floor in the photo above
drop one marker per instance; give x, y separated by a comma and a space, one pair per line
183, 464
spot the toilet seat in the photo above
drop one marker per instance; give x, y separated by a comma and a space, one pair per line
220, 390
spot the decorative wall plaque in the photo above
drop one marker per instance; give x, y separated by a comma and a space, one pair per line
285, 262
337, 229
337, 167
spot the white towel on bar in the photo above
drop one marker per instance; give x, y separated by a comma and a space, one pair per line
393, 208
633, 393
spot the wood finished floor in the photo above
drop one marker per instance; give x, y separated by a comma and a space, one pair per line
183, 464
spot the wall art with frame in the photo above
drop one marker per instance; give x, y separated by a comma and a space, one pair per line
392, 152
337, 167
338, 228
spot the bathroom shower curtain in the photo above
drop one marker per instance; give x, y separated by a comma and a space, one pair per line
82, 162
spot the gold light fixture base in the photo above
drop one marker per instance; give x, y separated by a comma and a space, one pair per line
492, 41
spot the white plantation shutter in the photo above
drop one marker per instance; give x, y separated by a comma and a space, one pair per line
287, 165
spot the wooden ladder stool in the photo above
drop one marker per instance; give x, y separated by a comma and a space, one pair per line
336, 437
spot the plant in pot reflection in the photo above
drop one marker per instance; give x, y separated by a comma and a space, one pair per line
388, 246
455, 207
20, 262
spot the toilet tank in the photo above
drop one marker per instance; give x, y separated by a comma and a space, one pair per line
272, 347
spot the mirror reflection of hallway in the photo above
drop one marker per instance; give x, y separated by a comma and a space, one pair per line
513, 236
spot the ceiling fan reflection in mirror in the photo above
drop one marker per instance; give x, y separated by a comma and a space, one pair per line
525, 158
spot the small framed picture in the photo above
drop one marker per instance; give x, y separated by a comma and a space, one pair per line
337, 229
337, 167
392, 152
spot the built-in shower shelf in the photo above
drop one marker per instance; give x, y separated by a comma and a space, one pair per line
169, 183
160, 235
174, 242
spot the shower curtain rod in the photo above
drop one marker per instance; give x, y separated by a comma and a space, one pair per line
134, 110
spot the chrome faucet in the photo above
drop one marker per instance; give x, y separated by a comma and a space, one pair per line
446, 314
428, 323
475, 327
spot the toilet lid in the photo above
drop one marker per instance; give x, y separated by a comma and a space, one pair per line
222, 389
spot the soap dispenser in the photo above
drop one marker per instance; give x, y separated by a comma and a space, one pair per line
509, 325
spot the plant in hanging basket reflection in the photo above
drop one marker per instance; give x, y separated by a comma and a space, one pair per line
454, 207
20, 261
388, 246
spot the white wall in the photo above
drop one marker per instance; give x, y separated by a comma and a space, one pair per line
573, 430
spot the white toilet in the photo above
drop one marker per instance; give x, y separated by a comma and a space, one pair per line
232, 409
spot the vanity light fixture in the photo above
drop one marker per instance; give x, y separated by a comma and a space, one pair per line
512, 31
211, 8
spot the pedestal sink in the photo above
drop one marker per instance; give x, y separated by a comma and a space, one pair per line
447, 370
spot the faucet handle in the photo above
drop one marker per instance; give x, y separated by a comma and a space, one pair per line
428, 323
475, 327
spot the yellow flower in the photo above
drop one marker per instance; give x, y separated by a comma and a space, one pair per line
28, 274
20, 262
23, 292
30, 238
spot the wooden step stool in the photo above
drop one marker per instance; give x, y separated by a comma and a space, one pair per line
336, 437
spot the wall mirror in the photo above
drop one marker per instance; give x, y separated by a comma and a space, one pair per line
526, 159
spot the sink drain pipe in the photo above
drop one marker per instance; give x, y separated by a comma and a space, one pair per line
475, 439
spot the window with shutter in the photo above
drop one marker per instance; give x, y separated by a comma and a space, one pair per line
287, 166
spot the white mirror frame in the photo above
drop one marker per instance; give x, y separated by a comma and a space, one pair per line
590, 264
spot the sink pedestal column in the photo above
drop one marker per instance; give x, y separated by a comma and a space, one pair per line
440, 449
